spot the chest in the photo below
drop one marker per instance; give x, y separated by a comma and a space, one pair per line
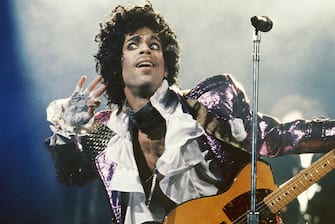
152, 148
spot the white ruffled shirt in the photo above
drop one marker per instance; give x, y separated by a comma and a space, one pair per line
177, 163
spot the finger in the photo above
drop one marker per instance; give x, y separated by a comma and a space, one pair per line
94, 83
80, 83
93, 103
91, 111
99, 91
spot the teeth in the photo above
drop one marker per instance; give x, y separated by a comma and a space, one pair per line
145, 64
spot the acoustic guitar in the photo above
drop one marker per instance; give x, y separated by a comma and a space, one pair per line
233, 206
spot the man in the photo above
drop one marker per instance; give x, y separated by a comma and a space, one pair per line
158, 146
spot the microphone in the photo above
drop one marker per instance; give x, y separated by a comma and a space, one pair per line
262, 23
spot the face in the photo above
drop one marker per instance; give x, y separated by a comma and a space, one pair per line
143, 67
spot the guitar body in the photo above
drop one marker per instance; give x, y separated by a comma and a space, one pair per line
231, 206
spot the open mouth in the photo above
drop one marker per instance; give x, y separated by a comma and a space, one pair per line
145, 64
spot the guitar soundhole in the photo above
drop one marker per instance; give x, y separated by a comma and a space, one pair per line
239, 208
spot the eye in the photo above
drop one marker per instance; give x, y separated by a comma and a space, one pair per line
155, 46
132, 46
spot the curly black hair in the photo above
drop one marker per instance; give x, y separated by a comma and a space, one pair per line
111, 37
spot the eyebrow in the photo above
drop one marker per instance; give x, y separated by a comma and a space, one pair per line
137, 38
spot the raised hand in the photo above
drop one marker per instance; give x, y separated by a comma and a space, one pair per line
81, 105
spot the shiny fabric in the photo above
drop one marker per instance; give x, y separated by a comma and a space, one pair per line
224, 98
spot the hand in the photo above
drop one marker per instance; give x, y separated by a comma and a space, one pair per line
81, 105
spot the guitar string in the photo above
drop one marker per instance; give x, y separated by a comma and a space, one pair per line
324, 165
261, 206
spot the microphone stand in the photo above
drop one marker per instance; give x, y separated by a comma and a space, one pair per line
264, 24
253, 216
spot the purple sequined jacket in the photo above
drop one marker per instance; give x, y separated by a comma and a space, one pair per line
223, 101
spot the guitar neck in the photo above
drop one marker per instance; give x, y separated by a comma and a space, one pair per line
301, 182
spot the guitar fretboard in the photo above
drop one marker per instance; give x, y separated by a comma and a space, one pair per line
301, 182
